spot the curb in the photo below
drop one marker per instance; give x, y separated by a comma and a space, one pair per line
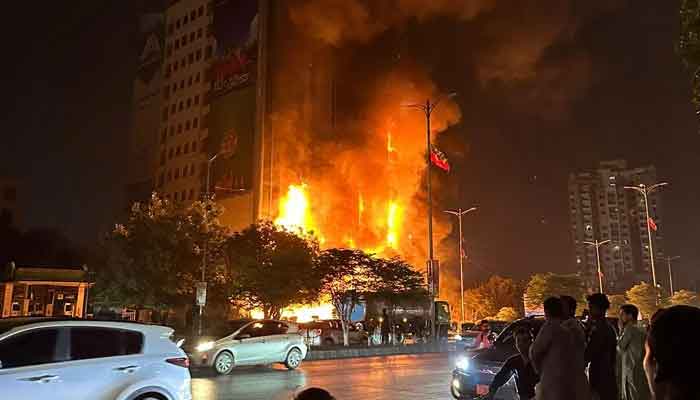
335, 354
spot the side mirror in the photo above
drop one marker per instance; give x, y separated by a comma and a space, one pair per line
243, 336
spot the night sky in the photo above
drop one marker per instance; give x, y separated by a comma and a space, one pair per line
68, 74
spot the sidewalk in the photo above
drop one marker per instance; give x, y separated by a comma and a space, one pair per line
338, 352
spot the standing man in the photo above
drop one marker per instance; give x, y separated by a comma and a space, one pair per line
630, 349
552, 357
579, 335
519, 366
385, 327
601, 351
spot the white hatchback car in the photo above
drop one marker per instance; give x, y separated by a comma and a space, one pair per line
44, 358
254, 342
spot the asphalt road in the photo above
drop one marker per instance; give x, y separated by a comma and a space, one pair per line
407, 377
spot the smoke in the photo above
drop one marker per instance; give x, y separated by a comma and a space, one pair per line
344, 74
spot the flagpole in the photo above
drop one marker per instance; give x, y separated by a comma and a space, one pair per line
428, 109
459, 213
597, 245
644, 190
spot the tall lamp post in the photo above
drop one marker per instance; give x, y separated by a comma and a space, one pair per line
428, 107
670, 259
645, 191
597, 245
459, 212
202, 287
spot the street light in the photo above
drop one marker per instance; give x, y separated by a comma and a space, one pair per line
670, 270
428, 107
644, 190
597, 245
203, 284
459, 212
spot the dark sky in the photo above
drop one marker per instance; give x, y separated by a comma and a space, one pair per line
68, 72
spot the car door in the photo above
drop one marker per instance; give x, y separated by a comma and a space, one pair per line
276, 341
32, 365
110, 357
251, 346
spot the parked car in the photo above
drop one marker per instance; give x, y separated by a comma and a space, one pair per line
476, 369
330, 332
256, 342
62, 359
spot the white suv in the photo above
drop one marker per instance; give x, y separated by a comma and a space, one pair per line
43, 358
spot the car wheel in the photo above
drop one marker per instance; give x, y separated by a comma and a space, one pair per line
328, 342
293, 360
224, 363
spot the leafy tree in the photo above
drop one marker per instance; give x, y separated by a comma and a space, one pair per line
490, 297
272, 268
154, 258
685, 297
689, 44
646, 297
346, 277
542, 286
616, 301
507, 314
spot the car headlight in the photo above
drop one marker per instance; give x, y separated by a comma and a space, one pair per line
205, 346
463, 363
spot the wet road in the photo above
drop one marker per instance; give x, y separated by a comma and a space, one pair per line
409, 377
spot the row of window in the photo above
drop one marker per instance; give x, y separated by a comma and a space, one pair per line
181, 42
181, 196
172, 175
187, 18
191, 58
177, 151
175, 85
180, 106
180, 128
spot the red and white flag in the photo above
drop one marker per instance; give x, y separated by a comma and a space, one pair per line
439, 159
652, 225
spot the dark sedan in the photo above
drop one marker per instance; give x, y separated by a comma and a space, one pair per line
476, 369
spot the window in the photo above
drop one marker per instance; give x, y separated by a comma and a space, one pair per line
189, 102
172, 109
193, 14
164, 136
195, 121
187, 125
183, 196
177, 44
207, 54
184, 40
170, 153
170, 175
199, 33
192, 165
177, 152
192, 36
180, 106
184, 20
194, 146
200, 12
190, 58
197, 78
88, 343
255, 329
162, 157
187, 148
179, 128
35, 347
196, 99
198, 55
177, 173
172, 130
175, 196
184, 171
189, 81
182, 63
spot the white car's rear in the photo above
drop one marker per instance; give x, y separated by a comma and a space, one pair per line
82, 359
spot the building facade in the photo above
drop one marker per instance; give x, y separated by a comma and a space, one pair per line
602, 209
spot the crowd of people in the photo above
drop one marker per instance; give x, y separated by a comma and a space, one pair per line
588, 359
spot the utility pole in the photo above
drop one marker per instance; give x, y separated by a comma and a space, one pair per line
459, 213
428, 107
597, 245
202, 287
669, 259
645, 191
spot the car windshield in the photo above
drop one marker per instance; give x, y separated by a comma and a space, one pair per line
228, 327
506, 336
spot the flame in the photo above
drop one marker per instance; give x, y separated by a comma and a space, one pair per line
294, 209
389, 147
393, 223
257, 314
306, 313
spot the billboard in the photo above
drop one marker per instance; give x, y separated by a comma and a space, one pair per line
232, 97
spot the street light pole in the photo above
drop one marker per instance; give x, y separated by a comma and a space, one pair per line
207, 198
645, 191
459, 212
428, 107
597, 245
669, 259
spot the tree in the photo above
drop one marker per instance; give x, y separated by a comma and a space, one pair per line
689, 44
346, 277
154, 258
507, 314
646, 297
542, 286
685, 297
272, 268
491, 296
616, 301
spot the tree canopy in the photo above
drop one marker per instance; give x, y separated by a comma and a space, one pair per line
488, 298
542, 286
272, 268
685, 297
646, 297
